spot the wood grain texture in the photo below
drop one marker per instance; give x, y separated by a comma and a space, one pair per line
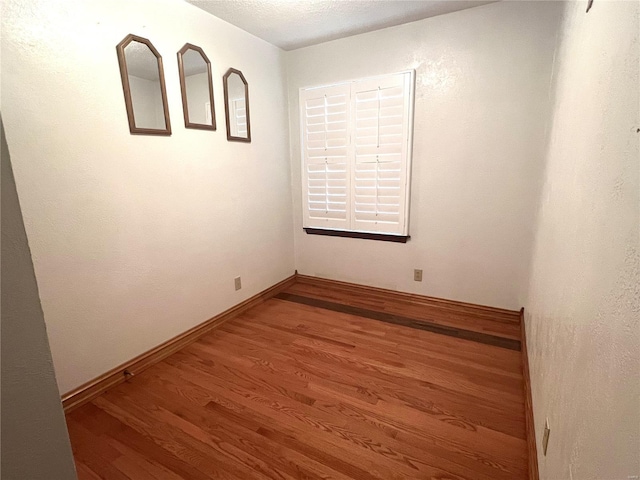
528, 406
431, 326
489, 320
293, 391
101, 384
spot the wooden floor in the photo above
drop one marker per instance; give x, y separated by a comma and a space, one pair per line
298, 389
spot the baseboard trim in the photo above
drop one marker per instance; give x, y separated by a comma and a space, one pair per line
512, 315
528, 405
96, 387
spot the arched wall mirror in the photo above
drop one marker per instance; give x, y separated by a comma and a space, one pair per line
196, 84
145, 94
236, 106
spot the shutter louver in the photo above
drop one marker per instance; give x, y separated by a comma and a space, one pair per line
325, 130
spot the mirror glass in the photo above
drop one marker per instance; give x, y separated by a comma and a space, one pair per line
236, 96
197, 88
143, 84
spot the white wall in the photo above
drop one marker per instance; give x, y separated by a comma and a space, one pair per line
480, 117
583, 306
135, 238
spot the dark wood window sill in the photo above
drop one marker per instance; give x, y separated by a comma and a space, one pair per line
383, 237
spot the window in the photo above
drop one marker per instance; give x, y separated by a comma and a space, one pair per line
356, 157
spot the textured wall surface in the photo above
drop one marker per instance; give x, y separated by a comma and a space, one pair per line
583, 310
35, 443
481, 112
136, 238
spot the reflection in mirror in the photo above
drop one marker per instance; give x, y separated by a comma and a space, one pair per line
143, 85
236, 106
197, 88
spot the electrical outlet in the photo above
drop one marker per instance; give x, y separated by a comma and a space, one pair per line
238, 283
545, 437
417, 275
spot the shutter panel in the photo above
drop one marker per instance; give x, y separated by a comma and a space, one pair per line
356, 154
324, 118
381, 109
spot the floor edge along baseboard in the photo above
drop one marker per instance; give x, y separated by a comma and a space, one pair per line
528, 405
420, 324
96, 387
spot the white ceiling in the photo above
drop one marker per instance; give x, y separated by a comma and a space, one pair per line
292, 24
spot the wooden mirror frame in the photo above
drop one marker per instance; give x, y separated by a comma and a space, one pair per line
124, 74
183, 88
225, 78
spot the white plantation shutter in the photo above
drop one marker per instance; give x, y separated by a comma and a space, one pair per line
379, 177
356, 154
324, 115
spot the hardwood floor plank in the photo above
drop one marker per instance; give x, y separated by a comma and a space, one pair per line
229, 374
428, 325
339, 387
283, 410
183, 439
324, 410
312, 319
144, 467
271, 412
503, 324
85, 473
378, 336
361, 373
371, 390
241, 433
92, 452
92, 416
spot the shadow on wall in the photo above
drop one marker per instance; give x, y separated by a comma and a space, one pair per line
35, 443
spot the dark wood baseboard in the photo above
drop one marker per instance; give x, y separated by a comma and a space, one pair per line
92, 389
528, 405
391, 295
